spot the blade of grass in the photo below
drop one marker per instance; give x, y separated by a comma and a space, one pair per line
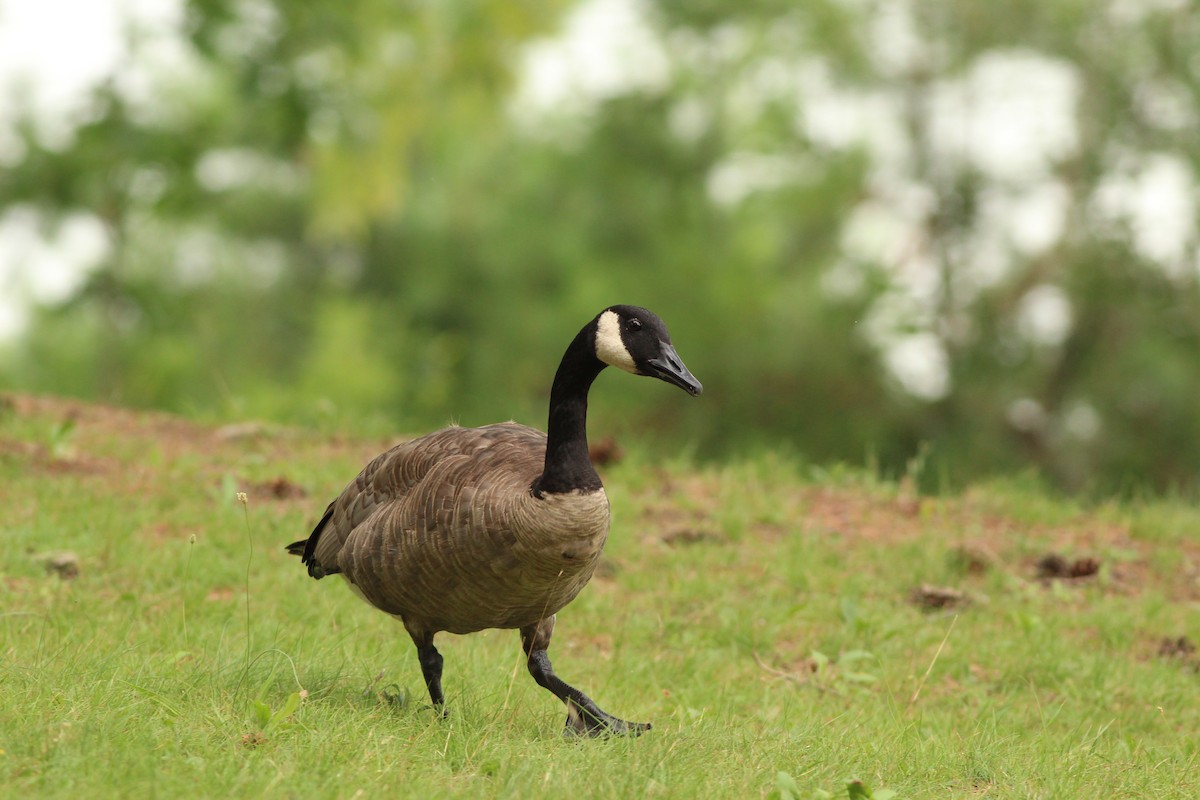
912, 701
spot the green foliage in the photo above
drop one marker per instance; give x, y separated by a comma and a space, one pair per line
857, 790
60, 438
266, 718
339, 214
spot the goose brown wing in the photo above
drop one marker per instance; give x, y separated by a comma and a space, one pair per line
470, 547
411, 468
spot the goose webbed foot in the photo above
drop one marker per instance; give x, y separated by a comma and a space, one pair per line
594, 722
584, 717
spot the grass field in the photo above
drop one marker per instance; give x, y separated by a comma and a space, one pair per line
767, 618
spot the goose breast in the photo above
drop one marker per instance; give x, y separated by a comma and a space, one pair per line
444, 532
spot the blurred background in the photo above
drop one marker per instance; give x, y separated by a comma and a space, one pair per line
880, 230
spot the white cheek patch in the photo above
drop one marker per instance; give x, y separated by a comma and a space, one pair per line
609, 347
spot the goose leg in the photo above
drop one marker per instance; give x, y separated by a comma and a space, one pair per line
431, 668
584, 717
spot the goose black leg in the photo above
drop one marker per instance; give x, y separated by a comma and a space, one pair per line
431, 668
584, 717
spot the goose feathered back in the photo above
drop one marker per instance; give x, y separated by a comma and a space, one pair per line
445, 532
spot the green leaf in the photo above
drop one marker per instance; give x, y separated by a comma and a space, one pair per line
786, 784
860, 677
289, 708
857, 790
261, 713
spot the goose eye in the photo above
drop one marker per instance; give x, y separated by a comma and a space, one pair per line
634, 324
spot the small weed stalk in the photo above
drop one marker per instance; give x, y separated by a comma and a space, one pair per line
921, 685
187, 570
241, 498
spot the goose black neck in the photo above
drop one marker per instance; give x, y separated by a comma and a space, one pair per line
568, 464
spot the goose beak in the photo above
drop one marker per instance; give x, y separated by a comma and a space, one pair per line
669, 367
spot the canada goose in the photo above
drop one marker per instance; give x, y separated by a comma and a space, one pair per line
494, 527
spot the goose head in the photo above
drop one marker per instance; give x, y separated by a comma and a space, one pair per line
636, 340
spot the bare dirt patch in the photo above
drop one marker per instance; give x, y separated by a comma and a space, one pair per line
1053, 566
1180, 647
1181, 650
975, 558
135, 452
676, 526
280, 488
43, 459
606, 451
856, 514
108, 420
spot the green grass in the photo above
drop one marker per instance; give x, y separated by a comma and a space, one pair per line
758, 614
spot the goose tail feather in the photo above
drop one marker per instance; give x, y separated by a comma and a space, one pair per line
306, 549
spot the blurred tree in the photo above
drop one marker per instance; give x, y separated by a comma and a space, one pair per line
874, 226
242, 182
1031, 174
